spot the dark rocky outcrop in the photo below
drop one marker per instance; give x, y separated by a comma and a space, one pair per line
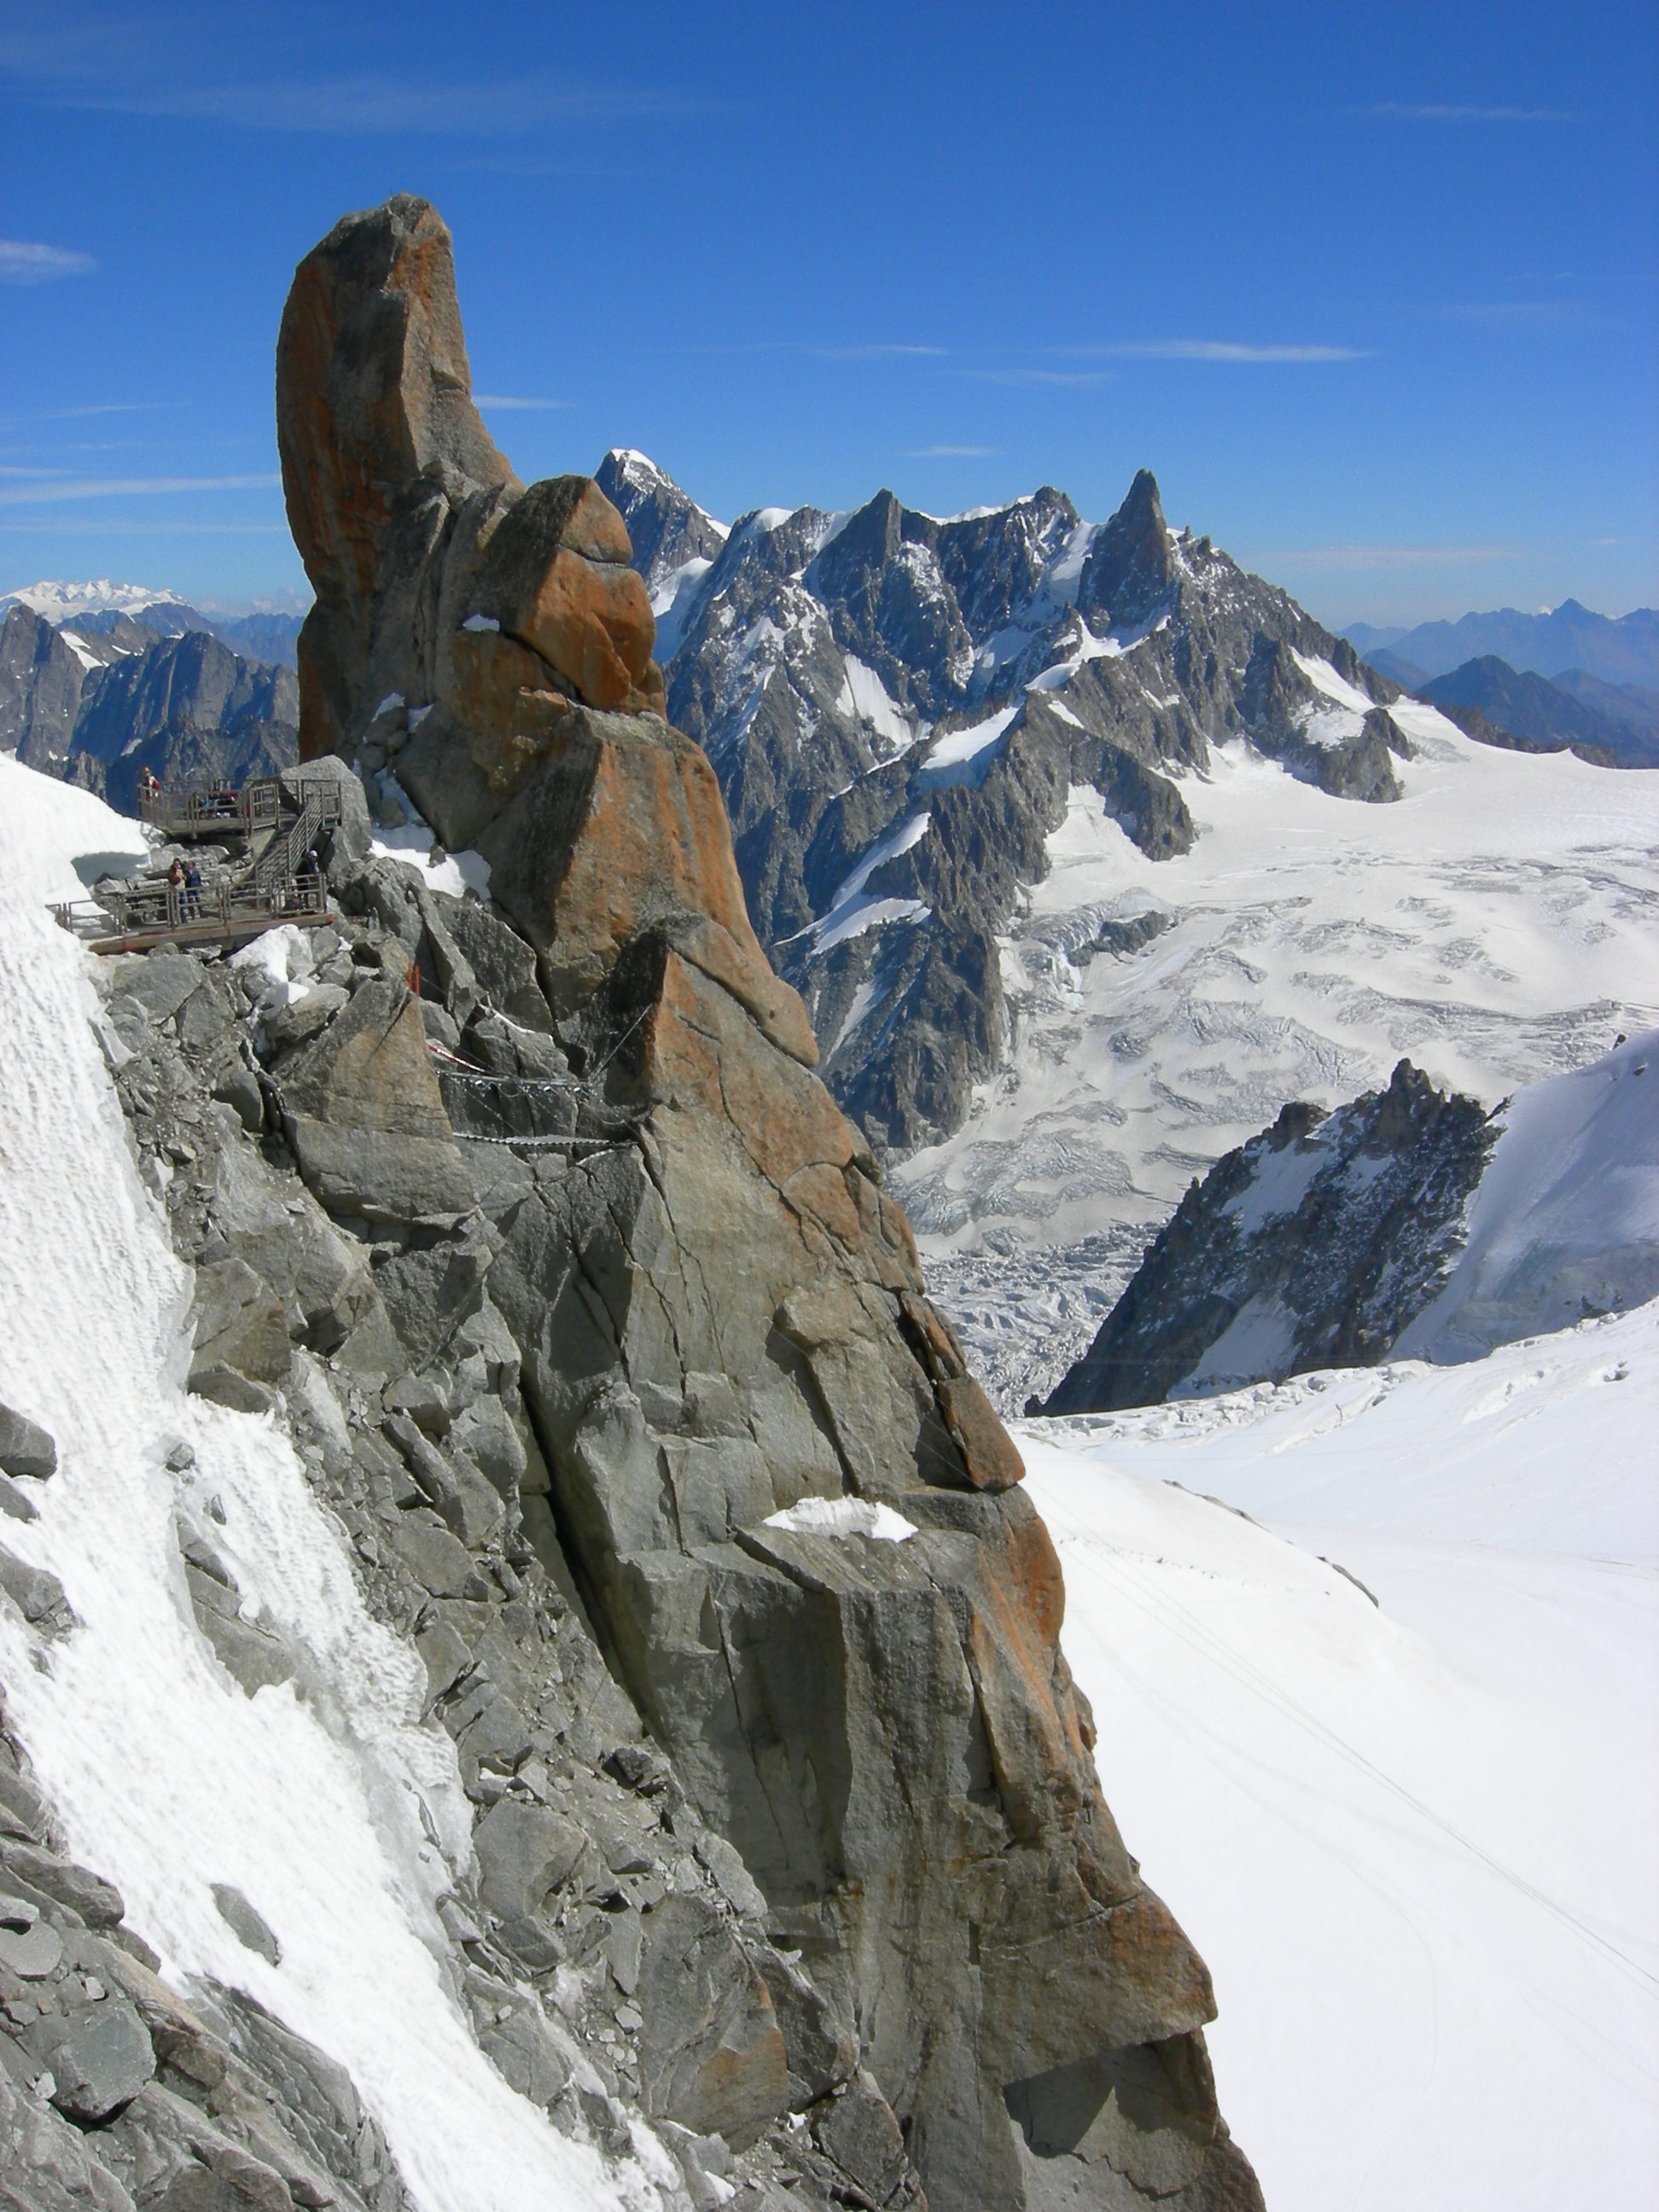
666, 529
1315, 1245
24, 1447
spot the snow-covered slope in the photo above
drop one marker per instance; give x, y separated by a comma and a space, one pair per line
1407, 1223
1566, 1216
327, 1803
1415, 1840
1497, 925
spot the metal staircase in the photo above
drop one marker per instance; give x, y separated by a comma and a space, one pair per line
289, 842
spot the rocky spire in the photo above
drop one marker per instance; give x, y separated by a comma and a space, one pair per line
730, 1359
1129, 567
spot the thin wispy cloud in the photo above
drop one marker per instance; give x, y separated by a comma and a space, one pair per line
1218, 350
25, 261
511, 402
1062, 380
69, 527
1401, 111
127, 487
883, 351
948, 453
81, 414
353, 107
816, 349
1379, 556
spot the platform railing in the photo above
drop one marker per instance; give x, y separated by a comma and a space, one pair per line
130, 919
207, 807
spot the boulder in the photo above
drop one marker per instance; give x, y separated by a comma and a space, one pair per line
304, 1017
503, 963
711, 2053
37, 1593
439, 1562
224, 1385
350, 838
161, 982
364, 1117
101, 2062
239, 1322
253, 1656
555, 575
16, 1505
25, 1446
98, 1902
245, 1923
525, 1853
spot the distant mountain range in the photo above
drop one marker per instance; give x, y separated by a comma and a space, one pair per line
102, 606
1616, 650
1611, 724
100, 697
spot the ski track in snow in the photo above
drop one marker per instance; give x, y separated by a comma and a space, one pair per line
166, 1777
1414, 1842
1496, 925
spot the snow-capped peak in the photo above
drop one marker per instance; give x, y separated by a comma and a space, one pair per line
58, 601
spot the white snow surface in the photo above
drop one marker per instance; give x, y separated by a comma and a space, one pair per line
411, 845
673, 602
58, 601
964, 755
1414, 1841
849, 912
843, 1516
1497, 925
1565, 1219
868, 697
308, 1798
84, 652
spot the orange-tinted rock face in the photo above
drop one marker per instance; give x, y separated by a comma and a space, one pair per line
593, 624
722, 1315
383, 454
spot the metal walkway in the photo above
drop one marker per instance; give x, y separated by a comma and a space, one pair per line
271, 884
162, 914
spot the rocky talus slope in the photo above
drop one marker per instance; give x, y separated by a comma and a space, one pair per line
900, 710
114, 2091
599, 1336
1315, 1245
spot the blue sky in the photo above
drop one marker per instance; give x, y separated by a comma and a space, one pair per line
1373, 291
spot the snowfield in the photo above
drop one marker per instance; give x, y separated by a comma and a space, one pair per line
326, 1802
1414, 1840
1497, 924
1566, 1216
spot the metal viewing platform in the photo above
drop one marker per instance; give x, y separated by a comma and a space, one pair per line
276, 878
